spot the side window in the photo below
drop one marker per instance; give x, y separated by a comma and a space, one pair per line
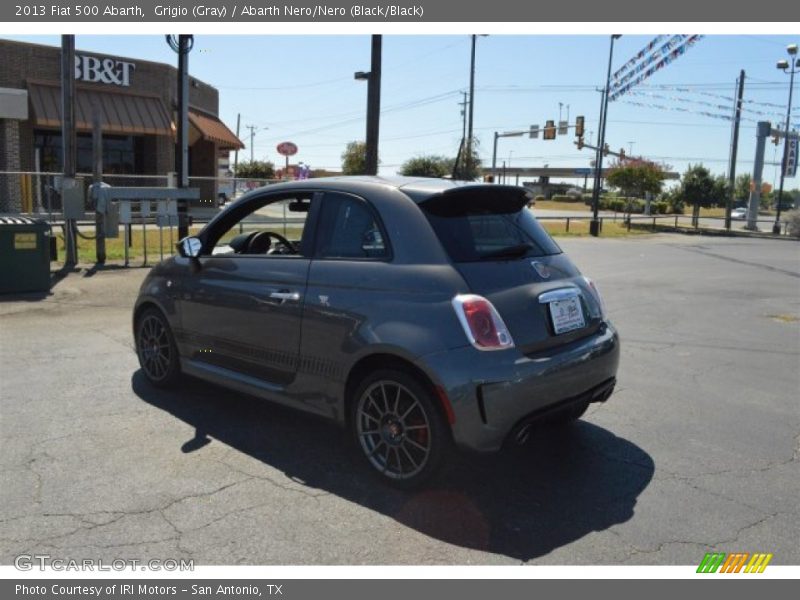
274, 228
348, 229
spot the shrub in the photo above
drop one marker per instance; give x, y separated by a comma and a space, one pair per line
566, 198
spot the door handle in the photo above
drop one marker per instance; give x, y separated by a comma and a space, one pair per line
285, 295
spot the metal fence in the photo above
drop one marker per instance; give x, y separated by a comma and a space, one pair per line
38, 193
676, 223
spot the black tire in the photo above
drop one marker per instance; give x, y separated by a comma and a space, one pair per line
156, 349
398, 427
569, 415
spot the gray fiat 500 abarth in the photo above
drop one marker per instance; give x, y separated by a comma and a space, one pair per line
418, 313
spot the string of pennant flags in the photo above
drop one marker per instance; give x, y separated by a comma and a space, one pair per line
664, 50
675, 50
724, 97
772, 114
638, 56
683, 110
702, 113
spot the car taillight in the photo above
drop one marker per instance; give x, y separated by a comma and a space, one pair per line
482, 324
597, 296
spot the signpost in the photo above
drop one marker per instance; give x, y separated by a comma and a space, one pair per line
287, 149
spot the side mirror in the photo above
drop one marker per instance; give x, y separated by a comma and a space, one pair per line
190, 247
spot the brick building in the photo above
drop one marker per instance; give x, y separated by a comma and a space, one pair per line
137, 103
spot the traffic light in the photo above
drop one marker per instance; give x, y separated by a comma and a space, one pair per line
549, 130
776, 139
622, 154
579, 121
605, 150
580, 143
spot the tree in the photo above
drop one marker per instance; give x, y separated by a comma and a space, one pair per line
636, 177
468, 167
354, 159
427, 166
721, 191
741, 187
697, 189
257, 169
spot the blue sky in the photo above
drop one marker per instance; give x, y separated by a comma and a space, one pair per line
301, 89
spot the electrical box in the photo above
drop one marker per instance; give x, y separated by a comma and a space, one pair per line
73, 198
111, 220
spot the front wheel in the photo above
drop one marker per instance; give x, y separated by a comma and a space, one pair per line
399, 428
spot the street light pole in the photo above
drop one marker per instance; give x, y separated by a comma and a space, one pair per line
594, 224
791, 65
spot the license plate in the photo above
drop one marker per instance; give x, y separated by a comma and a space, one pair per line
567, 315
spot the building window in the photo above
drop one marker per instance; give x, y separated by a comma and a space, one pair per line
122, 154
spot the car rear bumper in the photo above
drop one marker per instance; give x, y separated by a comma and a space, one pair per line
495, 394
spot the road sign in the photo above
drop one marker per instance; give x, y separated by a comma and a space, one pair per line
791, 158
563, 127
287, 149
534, 132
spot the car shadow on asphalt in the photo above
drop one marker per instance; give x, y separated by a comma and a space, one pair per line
522, 503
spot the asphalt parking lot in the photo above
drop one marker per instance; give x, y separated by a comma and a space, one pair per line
696, 451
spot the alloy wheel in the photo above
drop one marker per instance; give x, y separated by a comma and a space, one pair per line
394, 430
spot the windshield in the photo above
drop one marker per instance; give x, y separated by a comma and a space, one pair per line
475, 233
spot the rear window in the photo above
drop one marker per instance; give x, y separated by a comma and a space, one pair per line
480, 231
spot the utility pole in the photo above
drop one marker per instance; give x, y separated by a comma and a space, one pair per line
236, 154
463, 105
252, 129
457, 163
68, 141
374, 106
468, 153
734, 149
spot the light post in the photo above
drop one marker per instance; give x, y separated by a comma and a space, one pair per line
498, 135
594, 224
787, 66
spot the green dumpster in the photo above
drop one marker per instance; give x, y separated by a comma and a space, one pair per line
24, 255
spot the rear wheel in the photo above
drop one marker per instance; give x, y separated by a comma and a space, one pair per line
156, 349
398, 427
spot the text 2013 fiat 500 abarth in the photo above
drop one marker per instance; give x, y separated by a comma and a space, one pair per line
418, 313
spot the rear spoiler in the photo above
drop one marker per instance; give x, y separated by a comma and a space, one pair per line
477, 199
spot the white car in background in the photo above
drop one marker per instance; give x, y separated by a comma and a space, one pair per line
739, 213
